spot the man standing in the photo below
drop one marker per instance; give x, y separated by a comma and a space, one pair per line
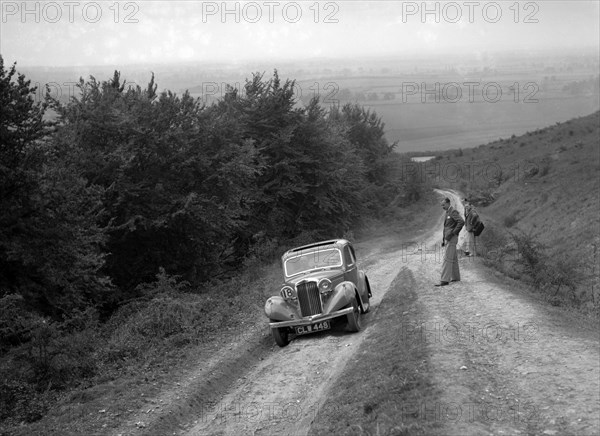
453, 223
471, 219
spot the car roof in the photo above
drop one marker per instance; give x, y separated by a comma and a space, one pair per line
333, 243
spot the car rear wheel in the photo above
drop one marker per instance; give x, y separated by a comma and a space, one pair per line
354, 317
281, 336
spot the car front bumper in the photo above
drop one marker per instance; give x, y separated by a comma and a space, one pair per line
307, 320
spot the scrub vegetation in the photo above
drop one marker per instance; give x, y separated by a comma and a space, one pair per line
537, 194
134, 224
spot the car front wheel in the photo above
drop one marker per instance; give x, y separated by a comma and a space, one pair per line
366, 305
354, 317
281, 336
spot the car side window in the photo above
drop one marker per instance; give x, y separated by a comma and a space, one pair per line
352, 252
349, 256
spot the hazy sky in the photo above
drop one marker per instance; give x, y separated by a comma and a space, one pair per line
66, 33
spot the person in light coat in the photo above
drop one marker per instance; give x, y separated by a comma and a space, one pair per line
471, 218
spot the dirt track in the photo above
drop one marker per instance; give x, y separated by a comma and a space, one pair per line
505, 364
282, 394
526, 368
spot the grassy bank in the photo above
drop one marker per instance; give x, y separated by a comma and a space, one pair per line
379, 389
140, 353
538, 195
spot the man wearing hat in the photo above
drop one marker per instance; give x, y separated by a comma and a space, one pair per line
453, 223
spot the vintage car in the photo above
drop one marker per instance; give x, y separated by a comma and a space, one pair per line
322, 284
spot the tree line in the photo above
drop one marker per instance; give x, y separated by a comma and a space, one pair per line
125, 181
128, 217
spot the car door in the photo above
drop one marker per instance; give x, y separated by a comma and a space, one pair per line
351, 269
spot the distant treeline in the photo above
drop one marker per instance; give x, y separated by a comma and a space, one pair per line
125, 181
589, 86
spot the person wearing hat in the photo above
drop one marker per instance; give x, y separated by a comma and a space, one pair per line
471, 218
453, 223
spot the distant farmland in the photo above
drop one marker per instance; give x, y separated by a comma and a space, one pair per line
465, 117
565, 86
441, 126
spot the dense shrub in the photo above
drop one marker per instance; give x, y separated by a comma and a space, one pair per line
124, 224
50, 243
493, 245
531, 258
523, 257
44, 356
15, 322
22, 402
558, 278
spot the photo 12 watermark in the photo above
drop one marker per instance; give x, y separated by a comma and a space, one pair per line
329, 93
432, 171
512, 412
489, 331
254, 412
526, 12
65, 91
70, 12
469, 91
326, 92
433, 254
270, 12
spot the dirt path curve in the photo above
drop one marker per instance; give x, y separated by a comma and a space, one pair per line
505, 363
282, 394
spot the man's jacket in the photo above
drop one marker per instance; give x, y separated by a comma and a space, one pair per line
452, 224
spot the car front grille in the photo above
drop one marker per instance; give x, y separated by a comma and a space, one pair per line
309, 298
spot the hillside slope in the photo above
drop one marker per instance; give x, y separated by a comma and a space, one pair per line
543, 184
560, 203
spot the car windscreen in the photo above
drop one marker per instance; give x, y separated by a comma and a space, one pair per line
314, 259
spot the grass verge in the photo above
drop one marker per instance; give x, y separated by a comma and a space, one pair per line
397, 372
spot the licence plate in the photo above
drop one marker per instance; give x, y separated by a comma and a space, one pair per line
316, 327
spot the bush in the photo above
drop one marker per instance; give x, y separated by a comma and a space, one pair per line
21, 402
563, 277
562, 280
163, 321
493, 246
15, 322
531, 257
532, 171
483, 198
262, 250
44, 357
55, 357
557, 277
162, 312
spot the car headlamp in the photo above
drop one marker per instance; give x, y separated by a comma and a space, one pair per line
325, 286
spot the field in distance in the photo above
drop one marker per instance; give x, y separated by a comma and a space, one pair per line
441, 111
434, 104
429, 106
